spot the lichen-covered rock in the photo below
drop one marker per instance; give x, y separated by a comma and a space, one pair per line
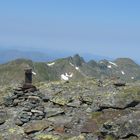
80, 137
50, 112
123, 126
13, 133
47, 137
35, 126
60, 100
75, 103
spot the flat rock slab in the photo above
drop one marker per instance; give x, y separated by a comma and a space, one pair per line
60, 100
50, 112
75, 103
89, 126
62, 120
36, 126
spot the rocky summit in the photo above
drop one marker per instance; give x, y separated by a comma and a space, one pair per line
76, 110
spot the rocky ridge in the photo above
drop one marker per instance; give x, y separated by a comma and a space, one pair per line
84, 110
70, 68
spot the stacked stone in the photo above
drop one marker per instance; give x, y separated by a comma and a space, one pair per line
30, 104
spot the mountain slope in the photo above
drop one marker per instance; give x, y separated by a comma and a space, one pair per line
70, 68
13, 72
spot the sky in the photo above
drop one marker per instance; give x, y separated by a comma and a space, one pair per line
108, 28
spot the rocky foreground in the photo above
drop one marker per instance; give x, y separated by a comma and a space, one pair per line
85, 110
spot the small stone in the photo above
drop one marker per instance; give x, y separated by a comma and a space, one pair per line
95, 107
30, 105
27, 109
15, 102
89, 110
25, 116
60, 129
40, 95
18, 89
86, 99
50, 112
13, 96
22, 98
8, 101
51, 128
37, 117
25, 120
18, 122
37, 111
19, 93
119, 84
74, 104
34, 98
41, 108
45, 98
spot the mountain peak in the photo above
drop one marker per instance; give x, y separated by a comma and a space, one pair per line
77, 60
125, 61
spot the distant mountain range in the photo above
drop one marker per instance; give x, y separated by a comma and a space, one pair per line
7, 55
70, 68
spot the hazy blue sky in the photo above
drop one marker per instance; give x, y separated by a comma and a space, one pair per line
102, 27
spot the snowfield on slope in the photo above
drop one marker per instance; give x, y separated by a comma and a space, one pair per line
113, 63
51, 64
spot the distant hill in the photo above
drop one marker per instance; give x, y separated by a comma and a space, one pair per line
13, 72
9, 55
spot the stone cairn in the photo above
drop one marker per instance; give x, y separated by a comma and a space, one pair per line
28, 100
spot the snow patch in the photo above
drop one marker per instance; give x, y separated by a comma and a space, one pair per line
109, 66
101, 62
33, 73
113, 63
69, 75
132, 78
77, 68
66, 76
123, 73
63, 77
51, 64
71, 64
